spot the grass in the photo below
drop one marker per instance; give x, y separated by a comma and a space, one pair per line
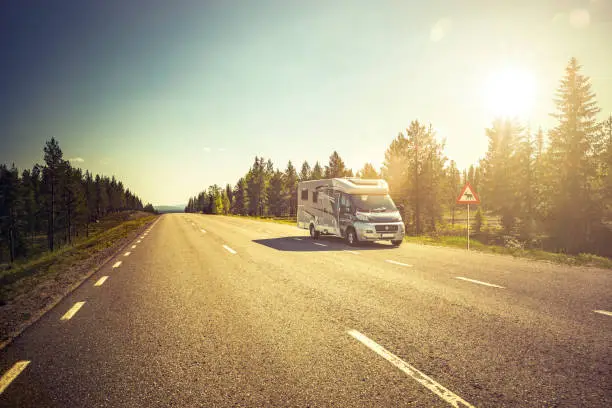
287, 221
536, 254
49, 265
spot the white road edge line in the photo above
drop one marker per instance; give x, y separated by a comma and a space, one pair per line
603, 312
479, 282
117, 264
127, 253
72, 311
101, 281
420, 377
230, 250
319, 244
352, 252
398, 263
12, 373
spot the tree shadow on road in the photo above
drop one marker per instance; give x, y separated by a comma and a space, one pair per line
324, 244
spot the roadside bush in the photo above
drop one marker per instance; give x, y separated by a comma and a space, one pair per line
513, 244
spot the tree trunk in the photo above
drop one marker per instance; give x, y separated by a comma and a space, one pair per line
51, 227
11, 245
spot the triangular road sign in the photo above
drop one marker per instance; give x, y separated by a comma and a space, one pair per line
468, 195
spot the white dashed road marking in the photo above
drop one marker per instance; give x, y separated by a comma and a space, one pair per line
133, 246
423, 379
319, 244
12, 373
75, 308
603, 312
127, 254
101, 281
117, 264
479, 282
230, 250
397, 263
203, 231
298, 239
138, 242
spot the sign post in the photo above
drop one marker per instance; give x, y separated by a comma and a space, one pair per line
468, 196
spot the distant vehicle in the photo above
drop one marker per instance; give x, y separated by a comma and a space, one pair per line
351, 208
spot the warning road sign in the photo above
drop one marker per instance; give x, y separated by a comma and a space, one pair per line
468, 195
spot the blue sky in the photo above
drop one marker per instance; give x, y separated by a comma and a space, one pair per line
174, 96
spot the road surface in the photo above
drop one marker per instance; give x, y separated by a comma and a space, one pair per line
218, 311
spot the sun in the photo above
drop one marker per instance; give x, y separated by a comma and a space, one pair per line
510, 92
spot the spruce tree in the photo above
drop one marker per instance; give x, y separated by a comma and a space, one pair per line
575, 206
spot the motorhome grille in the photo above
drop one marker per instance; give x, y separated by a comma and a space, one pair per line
386, 228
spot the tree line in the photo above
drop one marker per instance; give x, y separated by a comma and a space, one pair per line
549, 189
55, 200
266, 191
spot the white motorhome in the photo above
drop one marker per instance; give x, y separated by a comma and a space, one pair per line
351, 208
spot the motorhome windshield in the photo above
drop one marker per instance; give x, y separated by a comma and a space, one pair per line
373, 203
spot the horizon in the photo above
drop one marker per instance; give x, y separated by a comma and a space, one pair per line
188, 95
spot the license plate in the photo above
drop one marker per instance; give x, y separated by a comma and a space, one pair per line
387, 235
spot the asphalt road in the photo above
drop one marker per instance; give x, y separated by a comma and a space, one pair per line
214, 311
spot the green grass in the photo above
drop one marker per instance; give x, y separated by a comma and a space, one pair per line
49, 265
536, 254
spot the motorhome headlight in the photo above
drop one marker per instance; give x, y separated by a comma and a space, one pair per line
362, 217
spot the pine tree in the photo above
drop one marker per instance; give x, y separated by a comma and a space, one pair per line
395, 172
525, 190
336, 167
53, 175
90, 200
414, 168
275, 194
607, 165
317, 172
368, 172
256, 185
230, 196
11, 208
290, 190
501, 175
305, 172
573, 154
452, 188
225, 201
240, 203
30, 205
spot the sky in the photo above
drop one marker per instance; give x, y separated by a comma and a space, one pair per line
173, 96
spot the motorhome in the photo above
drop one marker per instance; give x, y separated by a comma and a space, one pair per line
351, 208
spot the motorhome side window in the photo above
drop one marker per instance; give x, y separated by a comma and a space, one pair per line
315, 196
345, 203
304, 194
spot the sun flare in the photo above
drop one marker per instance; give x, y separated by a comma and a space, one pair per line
510, 92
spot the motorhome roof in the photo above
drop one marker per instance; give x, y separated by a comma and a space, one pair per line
351, 185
